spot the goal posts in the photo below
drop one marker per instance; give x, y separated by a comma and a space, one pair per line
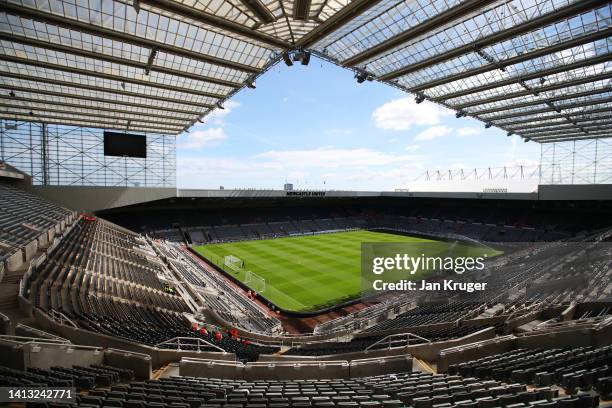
255, 282
251, 279
233, 262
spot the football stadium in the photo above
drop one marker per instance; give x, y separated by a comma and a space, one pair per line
126, 281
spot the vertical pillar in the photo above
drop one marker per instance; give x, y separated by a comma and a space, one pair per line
44, 156
595, 164
573, 159
541, 157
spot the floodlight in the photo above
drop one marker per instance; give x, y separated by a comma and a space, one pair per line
361, 77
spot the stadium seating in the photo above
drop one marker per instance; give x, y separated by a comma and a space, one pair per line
82, 378
228, 301
101, 278
378, 342
108, 280
575, 369
414, 389
483, 232
427, 315
26, 222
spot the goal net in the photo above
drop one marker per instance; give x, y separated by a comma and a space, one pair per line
255, 282
233, 262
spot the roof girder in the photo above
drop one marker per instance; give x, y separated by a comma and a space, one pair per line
96, 99
113, 59
587, 135
572, 138
70, 23
526, 77
570, 129
542, 101
548, 109
547, 88
89, 119
111, 77
454, 13
70, 122
343, 16
260, 10
90, 114
99, 108
567, 118
215, 21
559, 14
101, 89
585, 39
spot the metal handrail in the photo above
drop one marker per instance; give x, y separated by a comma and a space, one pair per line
189, 341
44, 335
60, 318
401, 336
31, 340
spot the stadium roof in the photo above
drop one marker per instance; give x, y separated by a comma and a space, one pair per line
540, 69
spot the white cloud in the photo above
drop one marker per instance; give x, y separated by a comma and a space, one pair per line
331, 157
202, 138
413, 148
469, 131
433, 133
217, 116
361, 169
403, 113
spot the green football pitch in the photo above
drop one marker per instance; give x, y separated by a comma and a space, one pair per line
303, 273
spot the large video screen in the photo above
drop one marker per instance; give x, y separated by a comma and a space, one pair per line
125, 145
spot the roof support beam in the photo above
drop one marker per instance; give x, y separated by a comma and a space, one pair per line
527, 77
547, 109
570, 138
571, 129
346, 14
301, 9
595, 132
519, 29
74, 24
598, 35
553, 127
260, 10
101, 89
553, 87
95, 99
53, 109
152, 112
110, 77
436, 21
115, 60
520, 128
100, 125
218, 22
88, 119
541, 101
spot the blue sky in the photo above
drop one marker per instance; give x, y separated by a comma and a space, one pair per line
316, 127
